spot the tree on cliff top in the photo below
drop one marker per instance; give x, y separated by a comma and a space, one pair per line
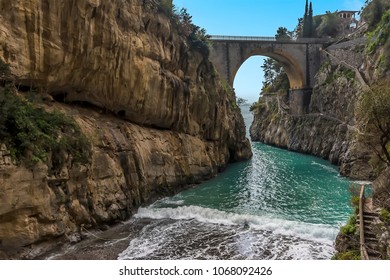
373, 11
197, 36
308, 29
329, 25
283, 33
275, 78
373, 117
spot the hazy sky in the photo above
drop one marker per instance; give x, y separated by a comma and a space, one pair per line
255, 18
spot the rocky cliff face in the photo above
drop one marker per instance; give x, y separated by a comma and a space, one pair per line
328, 131
164, 121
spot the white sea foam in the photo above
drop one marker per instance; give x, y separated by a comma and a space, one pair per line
357, 182
326, 167
314, 232
192, 239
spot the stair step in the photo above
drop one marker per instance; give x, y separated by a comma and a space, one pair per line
370, 214
373, 246
372, 250
369, 218
373, 253
371, 239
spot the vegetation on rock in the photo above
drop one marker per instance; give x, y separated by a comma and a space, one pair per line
183, 20
373, 115
308, 27
33, 134
4, 69
380, 38
384, 215
372, 12
275, 78
327, 25
347, 242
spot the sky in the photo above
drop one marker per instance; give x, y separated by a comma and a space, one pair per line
255, 18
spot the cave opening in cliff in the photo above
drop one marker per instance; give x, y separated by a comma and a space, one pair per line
26, 88
121, 113
59, 96
62, 97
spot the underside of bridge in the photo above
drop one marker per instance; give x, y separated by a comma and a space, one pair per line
292, 67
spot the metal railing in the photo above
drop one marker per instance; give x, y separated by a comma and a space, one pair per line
363, 249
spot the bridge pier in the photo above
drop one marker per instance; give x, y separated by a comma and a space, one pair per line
300, 101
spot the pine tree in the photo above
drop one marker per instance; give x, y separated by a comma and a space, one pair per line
308, 21
305, 20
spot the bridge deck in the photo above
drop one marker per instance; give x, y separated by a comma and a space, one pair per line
267, 39
241, 38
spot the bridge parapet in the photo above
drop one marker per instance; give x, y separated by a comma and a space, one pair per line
269, 39
241, 38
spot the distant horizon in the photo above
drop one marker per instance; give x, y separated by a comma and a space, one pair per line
255, 18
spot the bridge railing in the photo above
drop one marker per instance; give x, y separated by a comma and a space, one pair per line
241, 38
269, 39
363, 249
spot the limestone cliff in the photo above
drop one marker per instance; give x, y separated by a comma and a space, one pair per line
164, 120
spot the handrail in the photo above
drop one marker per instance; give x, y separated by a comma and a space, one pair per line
363, 249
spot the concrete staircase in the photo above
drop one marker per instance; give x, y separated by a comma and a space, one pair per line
370, 240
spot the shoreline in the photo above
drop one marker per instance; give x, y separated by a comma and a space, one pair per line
98, 245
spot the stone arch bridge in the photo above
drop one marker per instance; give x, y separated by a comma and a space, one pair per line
299, 58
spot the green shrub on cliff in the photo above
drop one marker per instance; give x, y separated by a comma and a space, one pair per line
373, 116
329, 25
350, 227
4, 69
380, 38
196, 35
347, 256
32, 134
373, 11
275, 78
384, 215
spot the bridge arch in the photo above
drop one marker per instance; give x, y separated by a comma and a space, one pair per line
291, 66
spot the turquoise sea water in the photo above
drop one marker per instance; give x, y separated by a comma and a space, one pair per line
279, 205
